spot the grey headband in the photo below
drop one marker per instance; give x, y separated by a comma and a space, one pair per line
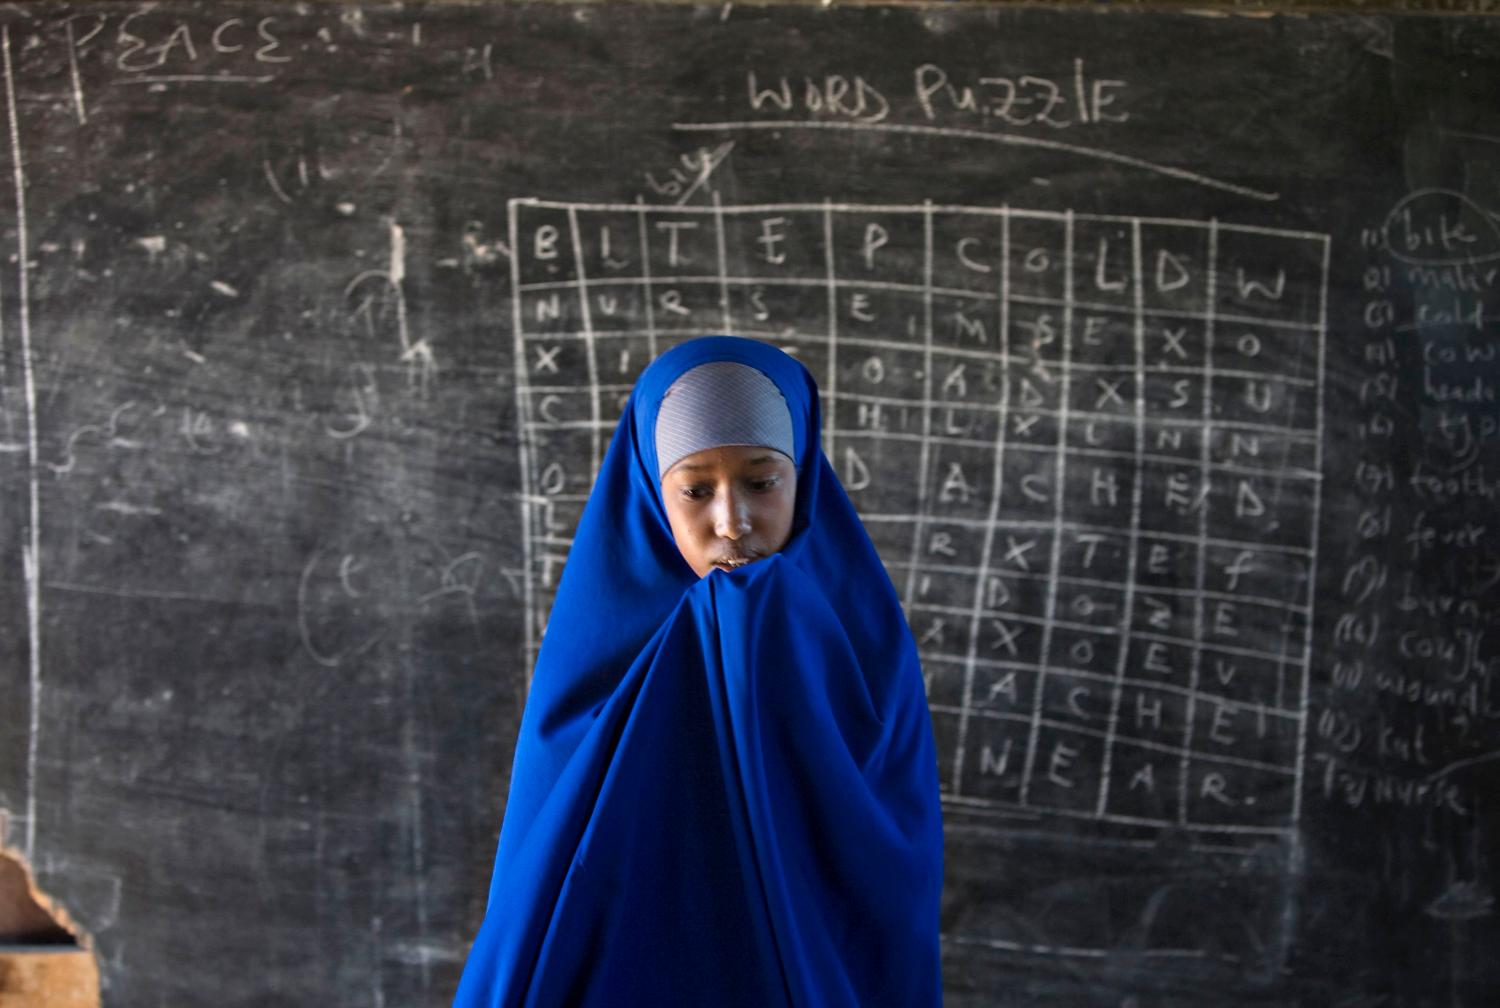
721, 403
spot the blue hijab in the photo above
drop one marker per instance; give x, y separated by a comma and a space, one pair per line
725, 789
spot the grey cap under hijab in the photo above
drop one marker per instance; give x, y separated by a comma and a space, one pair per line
721, 403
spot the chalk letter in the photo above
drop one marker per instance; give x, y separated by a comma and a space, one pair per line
673, 230
856, 473
1213, 787
1101, 267
1219, 731
1170, 273
1005, 686
988, 764
1062, 758
781, 96
770, 238
1239, 565
955, 487
218, 37
963, 326
1144, 777
1157, 559
1104, 488
963, 255
1144, 713
1271, 291
1029, 484
1247, 504
1258, 395
875, 237
1224, 616
546, 242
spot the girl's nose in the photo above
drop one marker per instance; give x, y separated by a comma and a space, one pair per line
731, 517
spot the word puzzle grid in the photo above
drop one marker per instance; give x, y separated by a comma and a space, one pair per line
1086, 447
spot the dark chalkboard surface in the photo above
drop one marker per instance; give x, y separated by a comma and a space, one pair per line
1159, 352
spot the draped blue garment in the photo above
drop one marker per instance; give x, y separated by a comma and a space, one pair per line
725, 789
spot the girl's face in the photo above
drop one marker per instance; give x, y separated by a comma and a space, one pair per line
730, 505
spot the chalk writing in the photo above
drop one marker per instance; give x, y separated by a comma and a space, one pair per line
31, 552
683, 180
1020, 100
1440, 227
143, 43
1024, 100
1411, 674
1108, 555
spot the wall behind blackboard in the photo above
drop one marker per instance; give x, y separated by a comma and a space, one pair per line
1160, 354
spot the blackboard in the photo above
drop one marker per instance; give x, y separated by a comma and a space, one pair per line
1159, 351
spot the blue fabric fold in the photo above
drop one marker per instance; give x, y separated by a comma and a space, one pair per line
725, 789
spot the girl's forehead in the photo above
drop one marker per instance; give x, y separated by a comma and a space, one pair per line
731, 457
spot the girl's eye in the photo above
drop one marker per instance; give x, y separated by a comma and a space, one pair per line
694, 492
761, 486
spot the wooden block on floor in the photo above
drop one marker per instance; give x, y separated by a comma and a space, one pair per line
48, 976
